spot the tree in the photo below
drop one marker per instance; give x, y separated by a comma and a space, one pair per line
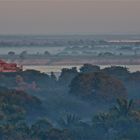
97, 86
11, 53
53, 77
124, 107
66, 76
46, 53
23, 55
117, 71
69, 120
88, 68
40, 128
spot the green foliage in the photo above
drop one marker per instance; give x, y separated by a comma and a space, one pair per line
88, 68
69, 120
117, 71
119, 123
66, 76
123, 107
19, 111
97, 86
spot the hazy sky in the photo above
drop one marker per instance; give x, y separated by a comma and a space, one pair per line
69, 17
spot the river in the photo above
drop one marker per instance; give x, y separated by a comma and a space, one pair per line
57, 68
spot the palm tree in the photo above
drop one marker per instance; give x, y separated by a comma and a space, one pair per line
69, 120
124, 107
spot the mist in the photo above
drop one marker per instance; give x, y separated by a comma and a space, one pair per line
69, 17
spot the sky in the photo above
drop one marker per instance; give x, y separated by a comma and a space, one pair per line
69, 17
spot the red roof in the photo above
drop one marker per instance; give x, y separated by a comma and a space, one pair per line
2, 62
8, 67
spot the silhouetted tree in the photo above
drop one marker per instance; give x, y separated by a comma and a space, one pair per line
88, 68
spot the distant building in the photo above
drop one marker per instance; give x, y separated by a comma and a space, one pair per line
9, 67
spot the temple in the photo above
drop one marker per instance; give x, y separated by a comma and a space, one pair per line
9, 67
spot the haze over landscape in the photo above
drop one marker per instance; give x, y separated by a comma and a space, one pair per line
69, 70
69, 17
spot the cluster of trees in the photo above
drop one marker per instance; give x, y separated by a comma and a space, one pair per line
121, 122
96, 86
13, 103
27, 98
90, 82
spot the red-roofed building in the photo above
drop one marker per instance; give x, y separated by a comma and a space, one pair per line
9, 67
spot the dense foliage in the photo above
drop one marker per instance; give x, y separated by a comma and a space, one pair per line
97, 85
122, 121
92, 104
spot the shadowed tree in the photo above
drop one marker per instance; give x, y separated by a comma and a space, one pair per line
124, 107
88, 68
69, 120
40, 129
97, 86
